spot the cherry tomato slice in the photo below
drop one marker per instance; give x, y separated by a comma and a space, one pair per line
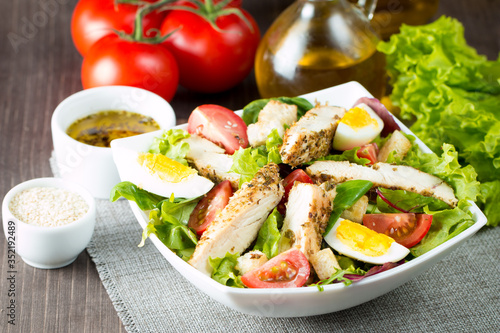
207, 209
219, 125
369, 151
407, 229
289, 269
297, 175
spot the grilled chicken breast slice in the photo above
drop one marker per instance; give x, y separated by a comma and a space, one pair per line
210, 160
384, 175
307, 213
312, 136
238, 224
273, 116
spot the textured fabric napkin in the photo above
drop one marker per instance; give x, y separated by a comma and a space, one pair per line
459, 294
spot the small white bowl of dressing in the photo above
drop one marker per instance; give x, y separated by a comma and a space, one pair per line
48, 222
89, 165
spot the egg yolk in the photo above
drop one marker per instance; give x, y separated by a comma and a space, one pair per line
362, 239
357, 118
165, 168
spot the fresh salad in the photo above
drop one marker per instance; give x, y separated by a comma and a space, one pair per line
293, 194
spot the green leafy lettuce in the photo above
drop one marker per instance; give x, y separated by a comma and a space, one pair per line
269, 235
224, 270
251, 111
409, 201
246, 162
169, 223
144, 199
450, 94
350, 155
171, 144
446, 224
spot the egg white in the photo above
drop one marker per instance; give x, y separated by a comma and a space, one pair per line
395, 253
347, 138
130, 170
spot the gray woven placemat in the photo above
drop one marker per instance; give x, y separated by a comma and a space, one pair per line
460, 294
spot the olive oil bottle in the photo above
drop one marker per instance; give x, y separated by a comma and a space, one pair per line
316, 44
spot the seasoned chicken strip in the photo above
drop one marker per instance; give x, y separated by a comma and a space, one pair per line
307, 213
384, 175
312, 136
273, 116
210, 160
238, 224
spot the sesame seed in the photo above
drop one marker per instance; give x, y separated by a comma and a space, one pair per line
48, 206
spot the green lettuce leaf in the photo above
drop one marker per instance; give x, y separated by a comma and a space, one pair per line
348, 155
171, 144
251, 111
169, 224
347, 194
489, 199
144, 199
450, 94
246, 162
224, 270
446, 224
269, 235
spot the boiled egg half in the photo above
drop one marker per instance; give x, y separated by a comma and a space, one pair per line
359, 126
358, 242
158, 174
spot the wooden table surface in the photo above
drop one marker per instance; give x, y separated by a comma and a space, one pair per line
39, 67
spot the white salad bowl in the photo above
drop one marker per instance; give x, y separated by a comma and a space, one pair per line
305, 301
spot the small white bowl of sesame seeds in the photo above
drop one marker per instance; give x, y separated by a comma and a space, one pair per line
48, 221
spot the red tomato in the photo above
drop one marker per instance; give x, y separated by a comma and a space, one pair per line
219, 125
94, 19
287, 270
115, 61
297, 175
369, 151
211, 60
208, 207
407, 229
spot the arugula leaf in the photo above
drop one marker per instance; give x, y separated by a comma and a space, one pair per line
224, 270
171, 144
269, 235
409, 201
251, 111
446, 224
144, 199
169, 224
347, 194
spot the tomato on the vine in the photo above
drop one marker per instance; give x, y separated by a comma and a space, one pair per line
94, 19
117, 61
211, 59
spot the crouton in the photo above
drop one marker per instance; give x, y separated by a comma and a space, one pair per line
398, 144
324, 263
356, 212
250, 261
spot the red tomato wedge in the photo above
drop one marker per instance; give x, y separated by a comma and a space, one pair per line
219, 125
297, 175
289, 269
407, 229
207, 209
369, 151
